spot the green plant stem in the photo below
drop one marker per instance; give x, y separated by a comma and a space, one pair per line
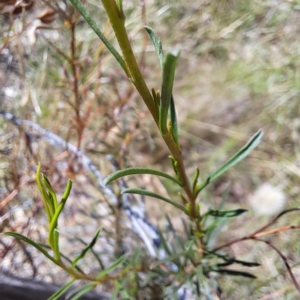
117, 21
74, 273
176, 152
80, 276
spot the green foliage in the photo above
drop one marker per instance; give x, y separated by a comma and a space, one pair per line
189, 258
169, 67
151, 194
241, 154
136, 171
62, 290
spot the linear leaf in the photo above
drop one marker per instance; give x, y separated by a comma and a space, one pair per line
120, 8
136, 171
225, 213
116, 290
159, 51
43, 192
62, 290
62, 255
173, 117
56, 243
169, 66
94, 253
113, 266
80, 291
241, 154
78, 4
157, 44
32, 243
86, 249
59, 209
195, 180
50, 189
151, 194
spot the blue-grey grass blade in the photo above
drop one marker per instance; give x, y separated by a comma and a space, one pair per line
86, 249
137, 171
113, 266
225, 213
174, 124
157, 44
80, 291
62, 290
32, 243
152, 194
169, 67
80, 7
241, 154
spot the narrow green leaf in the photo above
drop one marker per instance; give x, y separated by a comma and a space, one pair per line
174, 163
157, 45
86, 249
94, 253
195, 181
225, 213
50, 190
155, 97
120, 8
116, 290
214, 229
80, 291
62, 290
135, 256
78, 4
169, 66
171, 258
53, 224
151, 194
183, 198
168, 248
112, 267
46, 246
43, 192
32, 243
136, 171
170, 225
164, 243
56, 244
159, 51
174, 124
252, 143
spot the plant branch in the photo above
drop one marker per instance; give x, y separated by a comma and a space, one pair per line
117, 21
